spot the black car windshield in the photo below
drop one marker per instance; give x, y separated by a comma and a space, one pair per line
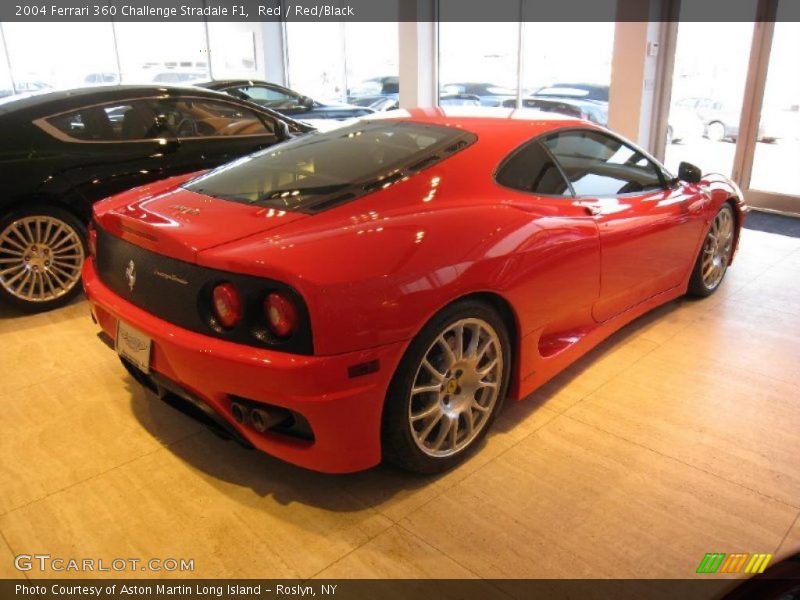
318, 171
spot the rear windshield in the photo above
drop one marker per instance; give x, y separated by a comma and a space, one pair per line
321, 170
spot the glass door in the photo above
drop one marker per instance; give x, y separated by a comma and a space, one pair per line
708, 88
775, 177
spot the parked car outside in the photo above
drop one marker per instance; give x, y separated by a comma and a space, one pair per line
591, 110
377, 103
26, 87
721, 119
585, 91
178, 76
101, 78
489, 94
387, 85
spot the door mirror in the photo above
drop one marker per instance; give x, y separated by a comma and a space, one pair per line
689, 173
282, 130
306, 101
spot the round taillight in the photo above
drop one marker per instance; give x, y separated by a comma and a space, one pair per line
281, 314
227, 305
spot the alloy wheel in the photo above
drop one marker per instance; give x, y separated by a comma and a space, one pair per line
456, 387
40, 258
717, 249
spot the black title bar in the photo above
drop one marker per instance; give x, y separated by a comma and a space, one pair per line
395, 10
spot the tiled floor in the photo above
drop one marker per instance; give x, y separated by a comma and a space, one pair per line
678, 436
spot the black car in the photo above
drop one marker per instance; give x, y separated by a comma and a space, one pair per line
62, 151
286, 101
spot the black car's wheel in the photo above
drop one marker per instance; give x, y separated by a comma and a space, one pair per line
715, 255
448, 388
42, 250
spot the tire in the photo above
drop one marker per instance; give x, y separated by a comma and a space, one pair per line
715, 254
42, 249
715, 131
453, 398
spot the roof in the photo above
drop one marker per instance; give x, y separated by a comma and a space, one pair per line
37, 105
508, 122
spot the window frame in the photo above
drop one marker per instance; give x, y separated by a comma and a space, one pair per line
665, 177
53, 131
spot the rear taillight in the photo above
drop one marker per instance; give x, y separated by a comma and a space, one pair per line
281, 314
227, 305
91, 239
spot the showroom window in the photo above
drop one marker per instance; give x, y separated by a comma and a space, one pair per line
6, 86
708, 88
85, 55
315, 62
569, 63
565, 67
233, 50
478, 62
372, 60
346, 61
175, 53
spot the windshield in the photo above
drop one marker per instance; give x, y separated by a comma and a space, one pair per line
321, 170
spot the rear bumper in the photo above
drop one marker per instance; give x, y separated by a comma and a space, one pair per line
344, 412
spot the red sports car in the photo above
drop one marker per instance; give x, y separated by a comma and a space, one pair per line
375, 292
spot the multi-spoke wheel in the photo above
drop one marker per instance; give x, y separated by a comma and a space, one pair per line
41, 256
447, 389
715, 255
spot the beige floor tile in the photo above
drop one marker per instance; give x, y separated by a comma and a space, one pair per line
237, 513
778, 289
53, 436
395, 493
739, 425
7, 569
791, 545
758, 339
521, 418
47, 347
395, 554
573, 501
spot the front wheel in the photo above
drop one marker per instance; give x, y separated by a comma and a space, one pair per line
715, 255
448, 388
42, 250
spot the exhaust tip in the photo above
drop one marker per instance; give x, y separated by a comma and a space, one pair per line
259, 419
238, 412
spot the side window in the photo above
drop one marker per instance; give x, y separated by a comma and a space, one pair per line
532, 169
127, 121
597, 164
195, 118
